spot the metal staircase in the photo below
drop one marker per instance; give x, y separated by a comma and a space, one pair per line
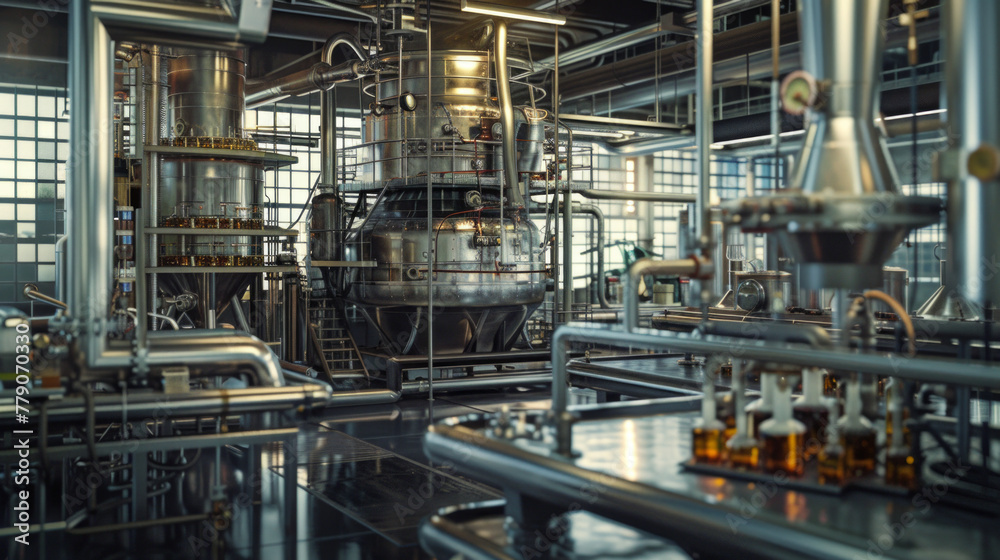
340, 352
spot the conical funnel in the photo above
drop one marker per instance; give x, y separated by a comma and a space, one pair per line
947, 304
842, 216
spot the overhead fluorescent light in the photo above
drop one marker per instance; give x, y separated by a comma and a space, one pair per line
911, 115
620, 135
499, 10
753, 139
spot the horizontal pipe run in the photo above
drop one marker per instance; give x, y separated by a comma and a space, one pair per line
925, 369
473, 359
475, 383
602, 194
201, 402
690, 522
446, 539
166, 18
813, 335
363, 397
152, 444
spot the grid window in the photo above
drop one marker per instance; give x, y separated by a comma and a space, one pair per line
33, 140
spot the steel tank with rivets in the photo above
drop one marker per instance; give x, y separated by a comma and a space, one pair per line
487, 274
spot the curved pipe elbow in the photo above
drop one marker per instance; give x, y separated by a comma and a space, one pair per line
209, 354
339, 39
693, 266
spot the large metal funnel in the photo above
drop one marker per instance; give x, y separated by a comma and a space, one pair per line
842, 216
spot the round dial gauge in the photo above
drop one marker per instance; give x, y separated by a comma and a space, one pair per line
798, 92
750, 296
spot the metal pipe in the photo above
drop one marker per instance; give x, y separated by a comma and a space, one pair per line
599, 47
296, 378
241, 319
480, 382
363, 397
602, 194
567, 229
133, 525
347, 10
696, 267
61, 267
925, 369
319, 77
89, 177
703, 128
142, 17
31, 292
598, 215
203, 402
813, 335
690, 522
271, 88
506, 114
974, 134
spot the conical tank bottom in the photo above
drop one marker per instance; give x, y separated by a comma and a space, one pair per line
946, 305
226, 286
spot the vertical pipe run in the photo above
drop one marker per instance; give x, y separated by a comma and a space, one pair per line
328, 140
703, 128
89, 175
431, 257
567, 196
973, 78
513, 193
153, 115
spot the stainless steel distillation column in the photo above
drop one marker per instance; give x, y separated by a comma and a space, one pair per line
220, 189
460, 250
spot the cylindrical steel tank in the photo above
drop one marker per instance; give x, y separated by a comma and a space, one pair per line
206, 95
894, 281
462, 137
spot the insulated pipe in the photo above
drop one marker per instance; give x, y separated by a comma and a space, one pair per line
926, 369
696, 267
514, 196
320, 77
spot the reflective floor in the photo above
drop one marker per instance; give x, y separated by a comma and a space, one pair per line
363, 485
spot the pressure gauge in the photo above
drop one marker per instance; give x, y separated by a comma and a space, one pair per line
750, 296
798, 92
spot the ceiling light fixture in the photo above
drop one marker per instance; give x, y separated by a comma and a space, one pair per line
490, 9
